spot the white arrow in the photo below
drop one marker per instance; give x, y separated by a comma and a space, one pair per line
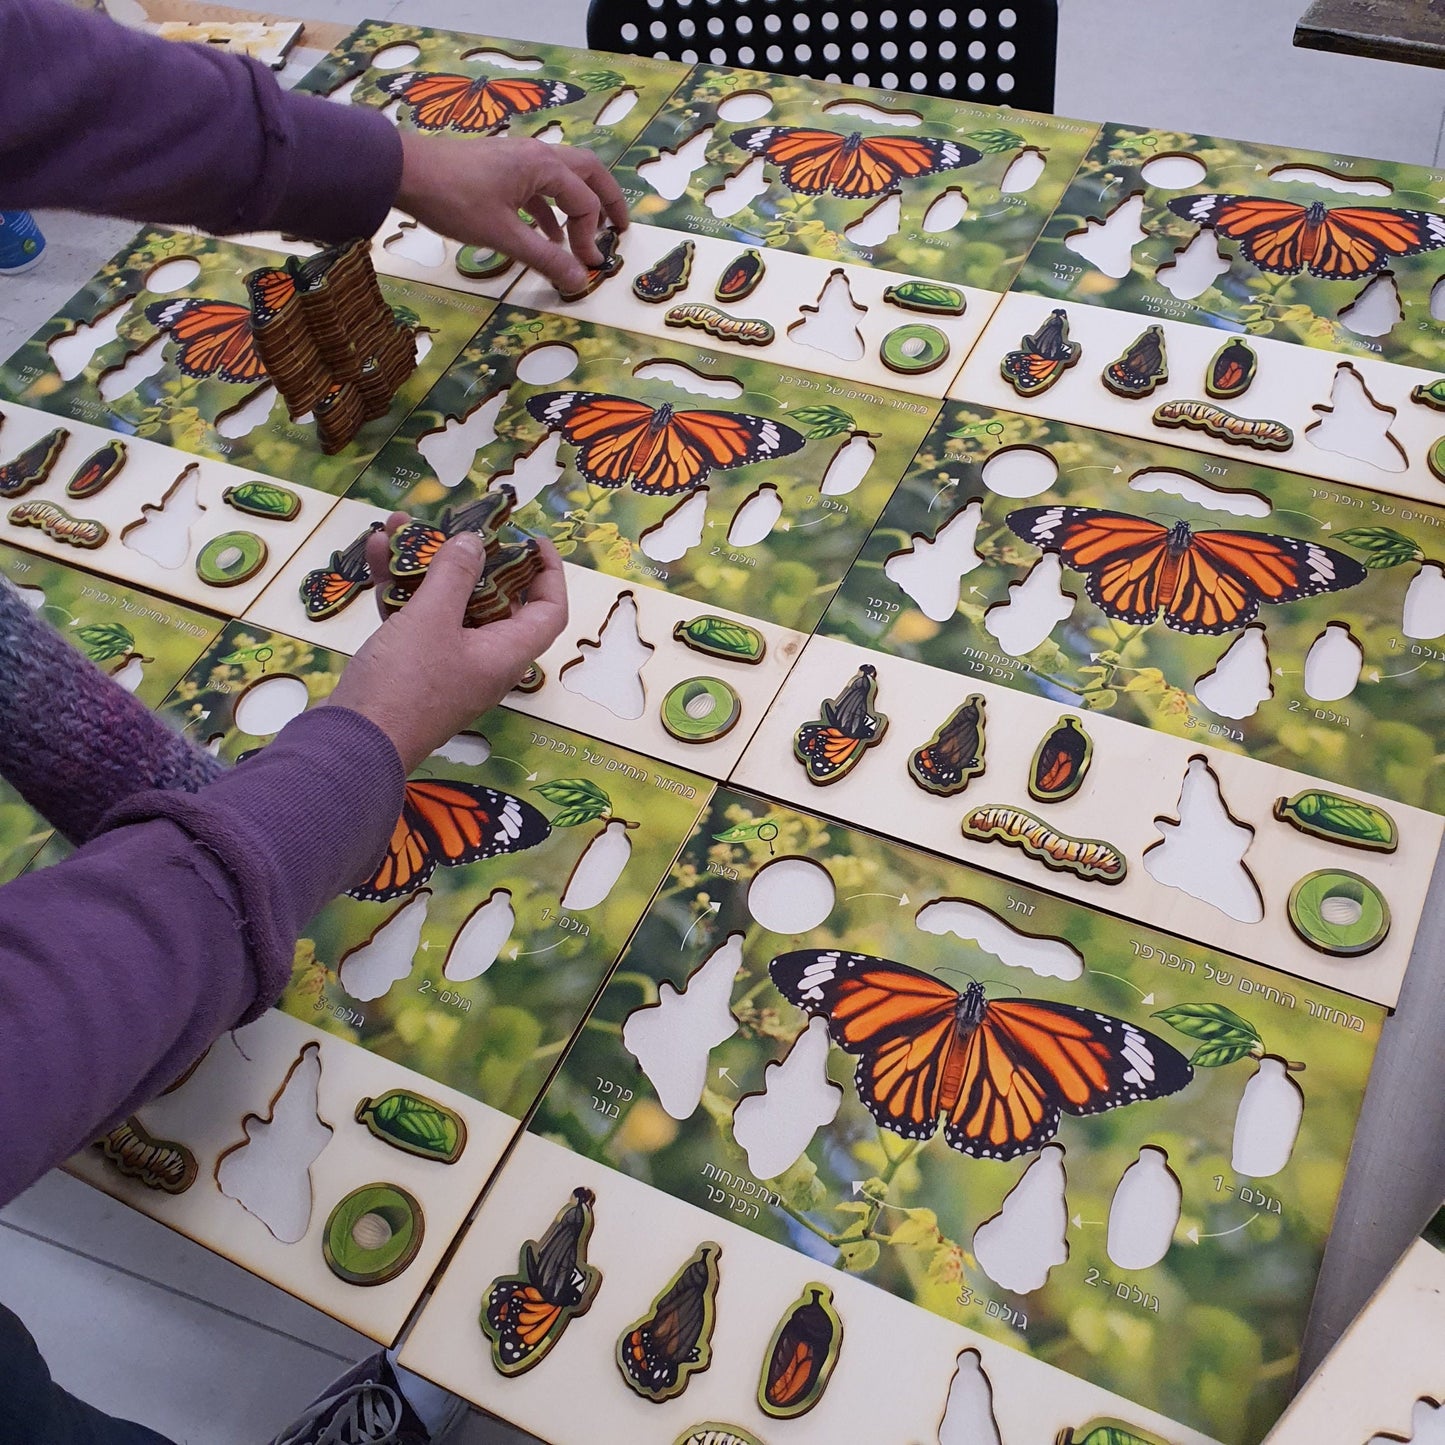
516, 953
711, 908
1194, 1236
723, 1074
902, 898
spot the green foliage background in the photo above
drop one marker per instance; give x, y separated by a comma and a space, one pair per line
178, 411
794, 572
985, 249
498, 1036
110, 624
1299, 308
1147, 674
601, 74
1220, 1351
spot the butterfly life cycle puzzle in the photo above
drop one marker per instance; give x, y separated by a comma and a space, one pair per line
442, 990
861, 234
145, 643
1033, 588
1246, 298
1049, 1133
459, 87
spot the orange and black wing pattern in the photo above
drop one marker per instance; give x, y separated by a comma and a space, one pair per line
1043, 356
664, 1349
656, 450
801, 1357
998, 1073
213, 338
474, 105
1343, 243
450, 823
848, 726
33, 465
953, 756
854, 166
328, 590
1061, 762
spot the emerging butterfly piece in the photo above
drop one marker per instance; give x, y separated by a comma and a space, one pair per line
1043, 357
1091, 859
831, 747
660, 452
667, 276
1232, 370
334, 587
33, 465
1141, 369
801, 1355
953, 756
1206, 582
213, 338
1060, 762
451, 823
525, 1313
414, 546
473, 104
97, 471
997, 1072
1340, 244
740, 277
607, 243
673, 1341
854, 166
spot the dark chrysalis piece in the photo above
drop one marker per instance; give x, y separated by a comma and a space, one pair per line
1060, 763
670, 275
1141, 369
848, 726
953, 756
1232, 370
673, 1341
33, 465
97, 471
740, 277
800, 1359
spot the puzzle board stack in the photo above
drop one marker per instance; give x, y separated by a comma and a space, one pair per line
923, 933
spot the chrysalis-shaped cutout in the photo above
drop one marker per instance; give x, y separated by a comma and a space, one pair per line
679, 532
968, 1417
1195, 267
1018, 1247
1333, 664
139, 366
879, 223
774, 1127
598, 869
369, 970
1267, 1122
479, 941
1424, 615
618, 107
1034, 608
1108, 245
931, 571
830, 323
849, 466
947, 210
609, 671
72, 352
532, 472
1145, 1211
1240, 680
1023, 172
243, 418
756, 517
1376, 310
739, 190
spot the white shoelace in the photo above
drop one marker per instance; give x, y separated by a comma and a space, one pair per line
367, 1413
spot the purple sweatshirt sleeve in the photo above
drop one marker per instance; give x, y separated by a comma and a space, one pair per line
96, 117
120, 966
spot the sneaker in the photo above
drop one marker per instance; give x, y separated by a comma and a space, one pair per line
367, 1406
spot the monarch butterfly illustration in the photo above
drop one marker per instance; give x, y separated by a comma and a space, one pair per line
415, 545
1231, 370
1061, 762
659, 451
214, 338
450, 823
800, 1359
33, 465
661, 1352
997, 1072
472, 104
1203, 582
1043, 357
1342, 244
854, 166
664, 279
1141, 368
526, 1313
849, 725
330, 589
953, 756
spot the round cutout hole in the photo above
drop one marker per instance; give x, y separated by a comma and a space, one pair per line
1020, 471
1173, 172
173, 275
393, 57
791, 895
268, 705
749, 105
543, 365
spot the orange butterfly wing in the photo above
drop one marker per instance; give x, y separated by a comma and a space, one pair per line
880, 162
805, 157
214, 338
521, 1317
474, 104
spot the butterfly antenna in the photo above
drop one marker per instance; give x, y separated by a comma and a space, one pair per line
1007, 983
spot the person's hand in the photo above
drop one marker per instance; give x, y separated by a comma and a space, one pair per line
422, 677
472, 191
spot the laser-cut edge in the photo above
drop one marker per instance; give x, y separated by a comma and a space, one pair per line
813, 1294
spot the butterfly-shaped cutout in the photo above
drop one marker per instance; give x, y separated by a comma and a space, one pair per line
1342, 243
659, 451
998, 1073
661, 1351
450, 823
474, 105
1202, 582
329, 589
853, 166
525, 1313
848, 726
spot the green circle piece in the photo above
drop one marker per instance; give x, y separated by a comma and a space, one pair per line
231, 558
479, 262
914, 348
700, 710
1339, 912
373, 1234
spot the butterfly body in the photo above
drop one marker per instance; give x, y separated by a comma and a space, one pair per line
1208, 582
474, 105
997, 1074
854, 166
1343, 243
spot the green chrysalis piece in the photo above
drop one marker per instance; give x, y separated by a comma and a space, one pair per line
415, 1125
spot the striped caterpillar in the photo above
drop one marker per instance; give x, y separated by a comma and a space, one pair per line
742, 329
1216, 422
156, 1163
1086, 857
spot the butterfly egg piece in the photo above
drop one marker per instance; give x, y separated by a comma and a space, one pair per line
371, 1231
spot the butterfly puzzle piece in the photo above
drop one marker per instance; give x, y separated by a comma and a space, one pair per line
996, 1073
665, 278
831, 747
673, 1341
1141, 369
740, 277
473, 104
1137, 570
801, 1355
334, 587
525, 1314
854, 167
607, 243
1231, 371
33, 465
953, 756
97, 471
1060, 762
1043, 357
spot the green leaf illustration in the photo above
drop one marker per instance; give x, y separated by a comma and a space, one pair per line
1226, 1036
574, 793
601, 80
1213, 1056
103, 641
574, 817
1385, 546
858, 1255
994, 142
824, 421
745, 832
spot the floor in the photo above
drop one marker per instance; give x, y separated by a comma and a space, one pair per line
140, 1320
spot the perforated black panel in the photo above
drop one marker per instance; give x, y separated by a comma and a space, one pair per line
1002, 54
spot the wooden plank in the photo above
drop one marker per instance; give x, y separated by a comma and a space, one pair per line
1402, 30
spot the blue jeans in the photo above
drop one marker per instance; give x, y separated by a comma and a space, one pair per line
34, 1410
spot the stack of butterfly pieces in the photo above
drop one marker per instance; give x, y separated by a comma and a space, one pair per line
510, 566
329, 341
